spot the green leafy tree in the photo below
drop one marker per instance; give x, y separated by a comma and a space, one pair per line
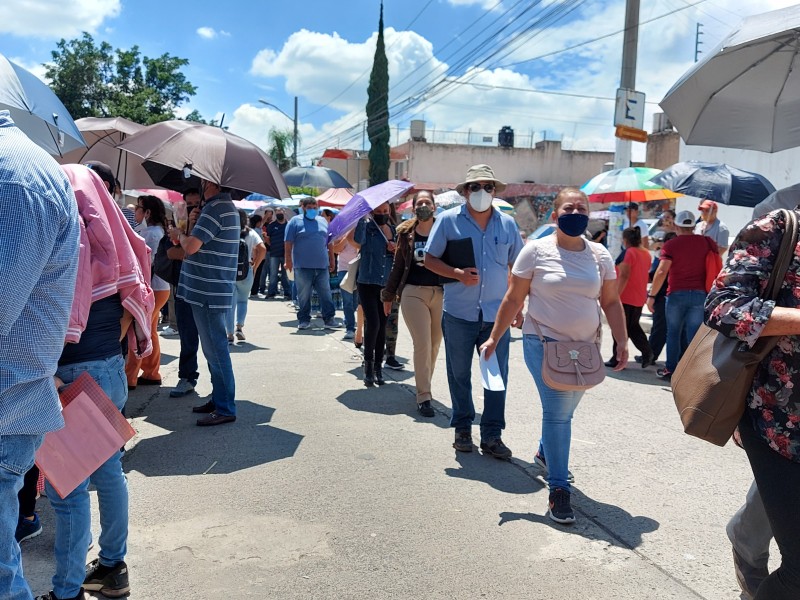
281, 143
378, 112
97, 81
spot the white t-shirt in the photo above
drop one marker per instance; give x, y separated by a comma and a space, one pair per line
251, 240
152, 234
565, 287
640, 224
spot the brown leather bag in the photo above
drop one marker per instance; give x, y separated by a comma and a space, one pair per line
713, 378
571, 366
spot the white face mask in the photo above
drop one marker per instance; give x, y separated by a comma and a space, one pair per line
480, 200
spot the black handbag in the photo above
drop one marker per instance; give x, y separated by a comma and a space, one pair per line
169, 270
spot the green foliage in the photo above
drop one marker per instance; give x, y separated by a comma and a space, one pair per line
97, 81
281, 144
378, 112
306, 191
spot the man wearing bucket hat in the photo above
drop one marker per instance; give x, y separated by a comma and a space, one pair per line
472, 300
683, 268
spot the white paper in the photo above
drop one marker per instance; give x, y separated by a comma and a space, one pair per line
490, 373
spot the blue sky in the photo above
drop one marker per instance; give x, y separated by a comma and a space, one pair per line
321, 51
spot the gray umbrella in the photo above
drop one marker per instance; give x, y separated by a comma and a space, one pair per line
208, 152
36, 110
316, 177
746, 92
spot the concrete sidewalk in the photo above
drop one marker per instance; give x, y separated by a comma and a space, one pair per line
326, 489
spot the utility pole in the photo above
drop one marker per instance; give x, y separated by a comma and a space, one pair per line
627, 80
294, 150
697, 41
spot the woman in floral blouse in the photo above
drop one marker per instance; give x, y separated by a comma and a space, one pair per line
770, 428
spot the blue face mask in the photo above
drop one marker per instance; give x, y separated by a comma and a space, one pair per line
311, 213
573, 224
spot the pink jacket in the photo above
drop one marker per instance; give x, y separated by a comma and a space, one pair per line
110, 261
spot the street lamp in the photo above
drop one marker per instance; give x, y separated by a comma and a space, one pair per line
294, 120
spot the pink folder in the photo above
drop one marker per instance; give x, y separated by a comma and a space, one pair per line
94, 429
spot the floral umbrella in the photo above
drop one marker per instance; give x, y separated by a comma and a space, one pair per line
626, 185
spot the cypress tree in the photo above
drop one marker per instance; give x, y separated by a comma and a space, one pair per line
378, 112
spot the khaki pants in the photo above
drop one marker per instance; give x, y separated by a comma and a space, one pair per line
422, 311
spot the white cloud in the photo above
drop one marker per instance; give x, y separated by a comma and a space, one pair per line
487, 4
210, 33
35, 68
56, 18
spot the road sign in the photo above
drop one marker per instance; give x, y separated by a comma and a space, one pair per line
630, 133
630, 109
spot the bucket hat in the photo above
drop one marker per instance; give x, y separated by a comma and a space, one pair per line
481, 173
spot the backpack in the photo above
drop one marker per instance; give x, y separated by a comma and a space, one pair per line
169, 270
243, 266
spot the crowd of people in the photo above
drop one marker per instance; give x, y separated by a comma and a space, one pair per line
89, 302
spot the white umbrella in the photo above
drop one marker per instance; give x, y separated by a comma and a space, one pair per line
745, 93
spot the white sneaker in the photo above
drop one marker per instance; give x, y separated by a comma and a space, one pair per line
168, 332
240, 334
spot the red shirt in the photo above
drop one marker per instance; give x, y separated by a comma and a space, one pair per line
638, 261
688, 256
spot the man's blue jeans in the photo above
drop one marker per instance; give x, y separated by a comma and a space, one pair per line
214, 341
684, 317
16, 457
73, 513
190, 341
349, 305
461, 340
319, 280
557, 410
276, 266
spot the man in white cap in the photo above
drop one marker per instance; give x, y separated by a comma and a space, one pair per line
472, 301
683, 267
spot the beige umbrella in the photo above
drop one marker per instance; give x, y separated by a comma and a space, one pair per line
174, 149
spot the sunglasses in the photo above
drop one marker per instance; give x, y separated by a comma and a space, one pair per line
474, 187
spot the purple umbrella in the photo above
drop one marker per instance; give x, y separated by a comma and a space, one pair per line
363, 202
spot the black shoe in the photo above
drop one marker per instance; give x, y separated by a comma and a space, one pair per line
463, 441
648, 361
392, 363
109, 581
206, 408
146, 381
379, 374
425, 409
82, 595
664, 374
748, 576
369, 374
638, 358
542, 463
611, 363
495, 447
560, 507
215, 419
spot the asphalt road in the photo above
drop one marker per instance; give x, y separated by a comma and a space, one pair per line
326, 489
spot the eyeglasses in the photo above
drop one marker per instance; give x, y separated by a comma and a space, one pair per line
474, 187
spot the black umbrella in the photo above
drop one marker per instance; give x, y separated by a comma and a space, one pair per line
714, 181
316, 177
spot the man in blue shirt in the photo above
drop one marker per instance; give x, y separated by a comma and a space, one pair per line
206, 283
307, 253
38, 264
472, 301
276, 232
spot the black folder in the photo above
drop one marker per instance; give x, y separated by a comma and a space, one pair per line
459, 254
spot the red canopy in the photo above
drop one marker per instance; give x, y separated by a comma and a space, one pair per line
336, 197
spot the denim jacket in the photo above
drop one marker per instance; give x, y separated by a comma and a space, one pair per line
376, 260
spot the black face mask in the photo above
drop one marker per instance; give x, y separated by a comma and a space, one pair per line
279, 217
381, 219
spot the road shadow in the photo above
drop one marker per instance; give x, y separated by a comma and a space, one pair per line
191, 450
634, 373
245, 347
613, 524
390, 400
500, 474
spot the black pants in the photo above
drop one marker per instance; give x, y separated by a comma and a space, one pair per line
257, 277
374, 321
635, 332
27, 495
658, 333
778, 481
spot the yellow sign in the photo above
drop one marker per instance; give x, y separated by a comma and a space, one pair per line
629, 133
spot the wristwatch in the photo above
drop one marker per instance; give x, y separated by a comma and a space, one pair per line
649, 296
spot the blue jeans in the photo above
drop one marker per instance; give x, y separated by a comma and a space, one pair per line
241, 294
557, 410
190, 341
73, 513
16, 457
462, 339
349, 305
214, 341
684, 317
319, 280
275, 266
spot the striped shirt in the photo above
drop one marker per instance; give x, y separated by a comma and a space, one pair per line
39, 241
209, 275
